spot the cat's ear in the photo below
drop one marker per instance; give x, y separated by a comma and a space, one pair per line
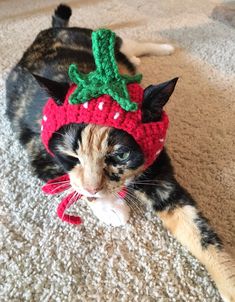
56, 90
155, 98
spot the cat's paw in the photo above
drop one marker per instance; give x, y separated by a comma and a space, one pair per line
112, 212
166, 49
134, 60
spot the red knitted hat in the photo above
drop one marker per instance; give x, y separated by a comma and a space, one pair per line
104, 97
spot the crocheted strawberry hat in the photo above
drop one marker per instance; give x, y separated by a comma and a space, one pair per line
102, 97
105, 97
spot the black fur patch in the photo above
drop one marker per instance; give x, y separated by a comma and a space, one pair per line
208, 235
61, 16
112, 176
159, 184
67, 162
26, 134
76, 56
110, 161
155, 98
45, 167
120, 171
63, 11
121, 58
55, 89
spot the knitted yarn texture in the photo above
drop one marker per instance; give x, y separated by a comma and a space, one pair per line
106, 79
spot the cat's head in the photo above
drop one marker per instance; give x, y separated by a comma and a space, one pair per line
100, 160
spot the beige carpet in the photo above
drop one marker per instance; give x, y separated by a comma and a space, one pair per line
43, 259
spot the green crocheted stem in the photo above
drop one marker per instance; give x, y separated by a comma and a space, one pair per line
103, 42
106, 79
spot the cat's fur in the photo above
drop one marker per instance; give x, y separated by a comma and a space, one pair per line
93, 155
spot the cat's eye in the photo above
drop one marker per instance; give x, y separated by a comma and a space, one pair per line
123, 156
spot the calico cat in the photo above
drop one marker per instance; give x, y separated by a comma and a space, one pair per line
102, 159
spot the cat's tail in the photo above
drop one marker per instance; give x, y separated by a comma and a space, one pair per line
61, 16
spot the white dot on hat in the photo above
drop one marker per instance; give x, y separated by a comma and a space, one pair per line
161, 140
41, 127
101, 104
116, 115
44, 118
85, 105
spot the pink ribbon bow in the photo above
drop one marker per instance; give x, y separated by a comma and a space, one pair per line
56, 186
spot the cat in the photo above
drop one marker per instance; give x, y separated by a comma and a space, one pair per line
102, 159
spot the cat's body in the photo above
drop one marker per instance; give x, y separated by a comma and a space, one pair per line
50, 56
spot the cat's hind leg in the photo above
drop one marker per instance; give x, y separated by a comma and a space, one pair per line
134, 49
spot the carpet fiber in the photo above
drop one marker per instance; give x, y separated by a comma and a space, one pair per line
43, 259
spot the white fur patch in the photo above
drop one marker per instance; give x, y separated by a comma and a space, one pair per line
134, 49
113, 212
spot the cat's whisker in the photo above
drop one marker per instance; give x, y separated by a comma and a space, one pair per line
60, 182
66, 182
137, 203
61, 195
145, 183
134, 200
61, 134
60, 187
72, 200
118, 197
131, 192
146, 180
133, 205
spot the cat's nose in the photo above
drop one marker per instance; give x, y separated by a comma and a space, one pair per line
93, 190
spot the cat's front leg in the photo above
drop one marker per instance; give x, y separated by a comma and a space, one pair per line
193, 231
181, 217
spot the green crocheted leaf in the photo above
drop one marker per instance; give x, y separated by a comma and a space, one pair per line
106, 79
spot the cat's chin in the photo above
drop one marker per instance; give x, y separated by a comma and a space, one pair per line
111, 211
